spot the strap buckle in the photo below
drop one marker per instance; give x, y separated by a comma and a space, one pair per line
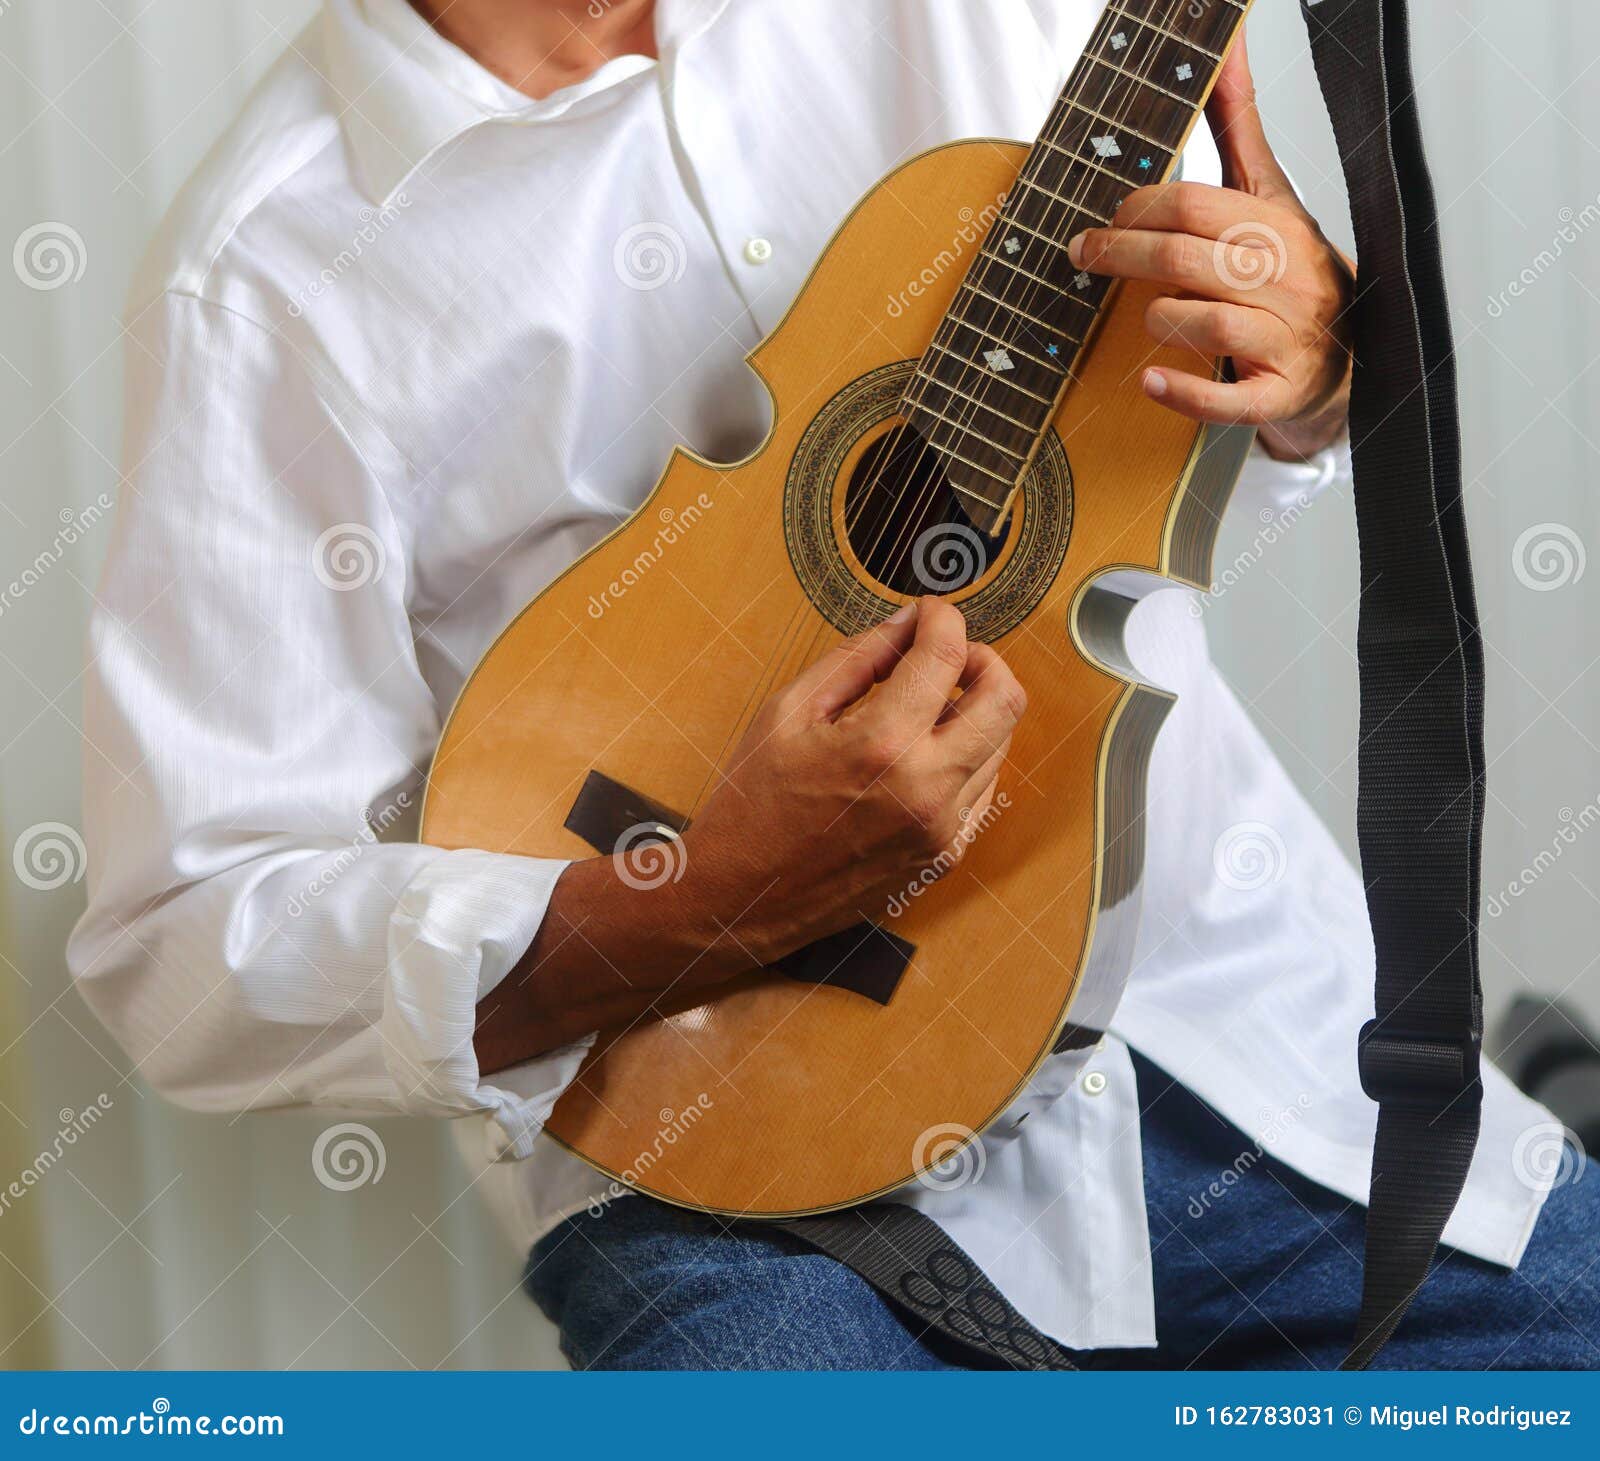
1417, 1070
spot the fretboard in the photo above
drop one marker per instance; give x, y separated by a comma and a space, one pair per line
1003, 356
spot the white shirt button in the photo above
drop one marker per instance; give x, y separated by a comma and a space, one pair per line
1094, 1082
757, 250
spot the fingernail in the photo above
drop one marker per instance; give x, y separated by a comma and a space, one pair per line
1155, 384
904, 612
1075, 250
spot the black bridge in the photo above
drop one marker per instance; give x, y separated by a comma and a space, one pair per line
864, 959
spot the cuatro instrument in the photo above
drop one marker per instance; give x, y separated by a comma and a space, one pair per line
983, 436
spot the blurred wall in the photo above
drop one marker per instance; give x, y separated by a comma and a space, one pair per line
170, 1239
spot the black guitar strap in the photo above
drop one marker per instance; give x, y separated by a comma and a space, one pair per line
1420, 805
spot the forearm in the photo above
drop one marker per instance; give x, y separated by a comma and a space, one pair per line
605, 953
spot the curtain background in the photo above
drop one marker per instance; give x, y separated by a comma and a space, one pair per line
153, 1237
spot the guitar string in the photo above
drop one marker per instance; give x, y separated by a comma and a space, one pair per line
1128, 90
1129, 93
1125, 95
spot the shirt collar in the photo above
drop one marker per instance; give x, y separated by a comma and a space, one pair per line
404, 91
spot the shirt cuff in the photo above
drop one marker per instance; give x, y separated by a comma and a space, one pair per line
461, 924
1283, 486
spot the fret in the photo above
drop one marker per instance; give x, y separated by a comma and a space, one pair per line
945, 385
1116, 126
1065, 291
1055, 365
1007, 482
1119, 123
1059, 244
1181, 69
1142, 80
1006, 304
1115, 9
987, 375
1165, 118
967, 428
998, 507
1099, 198
1085, 162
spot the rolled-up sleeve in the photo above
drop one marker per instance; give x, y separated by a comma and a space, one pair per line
259, 932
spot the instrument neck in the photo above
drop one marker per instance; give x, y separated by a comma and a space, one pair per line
1000, 362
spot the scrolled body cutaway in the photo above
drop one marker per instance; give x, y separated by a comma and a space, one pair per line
777, 1094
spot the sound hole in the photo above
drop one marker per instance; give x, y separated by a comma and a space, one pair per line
905, 524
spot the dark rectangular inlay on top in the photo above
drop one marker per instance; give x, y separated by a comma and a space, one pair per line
865, 959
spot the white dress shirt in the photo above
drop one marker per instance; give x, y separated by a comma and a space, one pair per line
409, 343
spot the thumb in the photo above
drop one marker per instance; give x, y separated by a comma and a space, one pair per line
1248, 163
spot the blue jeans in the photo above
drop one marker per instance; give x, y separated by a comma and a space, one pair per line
1266, 1277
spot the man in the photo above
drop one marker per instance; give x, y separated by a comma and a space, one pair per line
422, 329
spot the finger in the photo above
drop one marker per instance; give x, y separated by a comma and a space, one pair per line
920, 686
1217, 329
1248, 161
1208, 267
1206, 211
842, 676
980, 723
979, 791
1231, 403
